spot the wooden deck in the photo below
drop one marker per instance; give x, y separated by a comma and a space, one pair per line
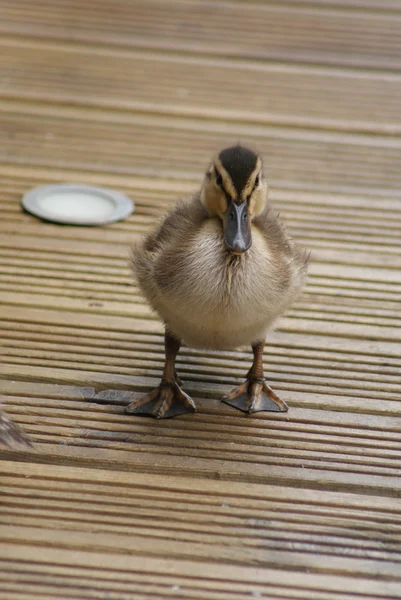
138, 96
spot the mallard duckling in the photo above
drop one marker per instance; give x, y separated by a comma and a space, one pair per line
218, 271
11, 433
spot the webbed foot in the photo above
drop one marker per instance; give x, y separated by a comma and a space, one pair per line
255, 396
168, 400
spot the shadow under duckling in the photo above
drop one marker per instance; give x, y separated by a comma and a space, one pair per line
218, 271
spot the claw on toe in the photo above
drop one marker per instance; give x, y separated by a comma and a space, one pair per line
255, 396
168, 400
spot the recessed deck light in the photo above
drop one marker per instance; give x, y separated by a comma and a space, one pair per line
74, 204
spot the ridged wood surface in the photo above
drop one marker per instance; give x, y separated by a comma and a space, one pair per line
137, 96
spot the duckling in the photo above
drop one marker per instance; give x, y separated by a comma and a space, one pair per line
11, 433
218, 271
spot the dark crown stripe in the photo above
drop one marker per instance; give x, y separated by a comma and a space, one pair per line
239, 162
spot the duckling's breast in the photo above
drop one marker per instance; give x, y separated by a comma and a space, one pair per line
212, 298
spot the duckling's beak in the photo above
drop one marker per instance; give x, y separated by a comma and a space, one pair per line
237, 229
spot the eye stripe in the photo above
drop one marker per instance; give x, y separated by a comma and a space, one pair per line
248, 191
226, 183
255, 185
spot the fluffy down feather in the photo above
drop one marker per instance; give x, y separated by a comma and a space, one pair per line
207, 296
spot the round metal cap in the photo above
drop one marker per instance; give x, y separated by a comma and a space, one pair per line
76, 204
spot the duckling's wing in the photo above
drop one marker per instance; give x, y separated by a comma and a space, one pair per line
279, 241
289, 260
162, 245
182, 220
173, 231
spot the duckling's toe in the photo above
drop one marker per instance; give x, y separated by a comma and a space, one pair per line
168, 400
255, 396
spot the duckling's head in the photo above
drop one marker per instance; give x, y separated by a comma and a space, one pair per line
235, 190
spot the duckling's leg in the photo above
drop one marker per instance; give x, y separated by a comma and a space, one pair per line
168, 400
254, 395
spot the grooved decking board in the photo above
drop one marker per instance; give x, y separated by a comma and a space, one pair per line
315, 443
137, 96
315, 33
326, 223
193, 86
229, 525
160, 146
167, 508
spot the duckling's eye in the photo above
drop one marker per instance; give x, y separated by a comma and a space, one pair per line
219, 179
257, 181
